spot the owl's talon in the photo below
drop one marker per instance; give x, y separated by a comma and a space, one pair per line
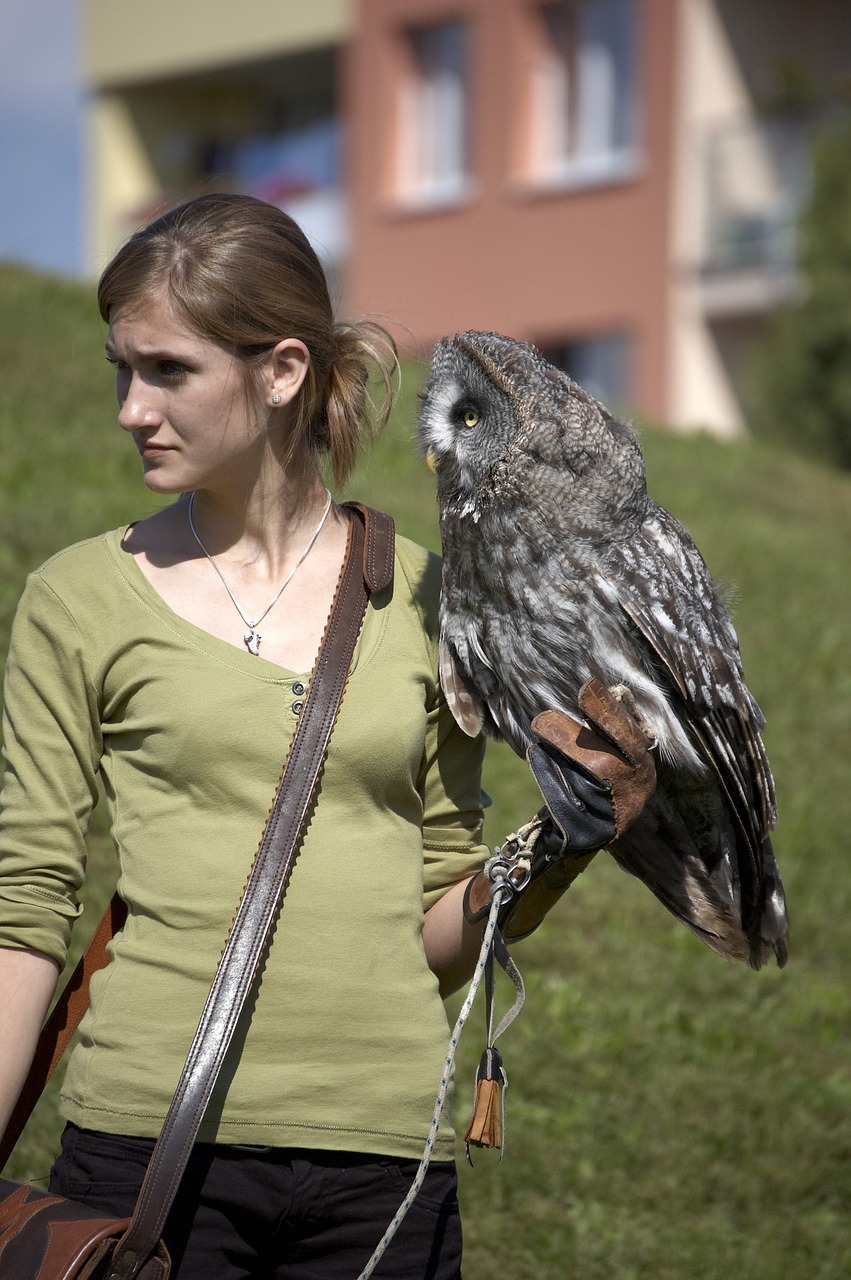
624, 695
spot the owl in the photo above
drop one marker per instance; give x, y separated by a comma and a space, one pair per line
558, 567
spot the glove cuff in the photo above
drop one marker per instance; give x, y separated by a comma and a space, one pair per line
530, 898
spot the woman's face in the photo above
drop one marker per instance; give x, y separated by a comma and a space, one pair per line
185, 400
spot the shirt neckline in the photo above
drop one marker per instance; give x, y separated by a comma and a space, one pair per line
213, 646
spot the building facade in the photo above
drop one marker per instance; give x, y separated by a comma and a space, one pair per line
616, 180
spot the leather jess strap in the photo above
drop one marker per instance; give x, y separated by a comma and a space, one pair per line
368, 568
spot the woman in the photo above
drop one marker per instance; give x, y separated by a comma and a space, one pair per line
171, 658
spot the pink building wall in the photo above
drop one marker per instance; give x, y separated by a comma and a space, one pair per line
550, 265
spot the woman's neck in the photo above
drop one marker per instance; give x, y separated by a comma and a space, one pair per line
265, 526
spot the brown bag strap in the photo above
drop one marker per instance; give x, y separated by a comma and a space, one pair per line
368, 568
261, 899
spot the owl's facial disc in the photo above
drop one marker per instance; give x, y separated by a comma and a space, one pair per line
438, 422
465, 426
464, 417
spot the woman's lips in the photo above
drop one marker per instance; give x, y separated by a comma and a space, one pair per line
148, 449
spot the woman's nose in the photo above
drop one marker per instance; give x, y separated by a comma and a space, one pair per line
136, 406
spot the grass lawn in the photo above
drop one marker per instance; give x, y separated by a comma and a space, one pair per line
670, 1117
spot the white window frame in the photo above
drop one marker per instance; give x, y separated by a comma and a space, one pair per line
432, 162
584, 107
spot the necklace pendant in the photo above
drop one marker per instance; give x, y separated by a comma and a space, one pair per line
252, 637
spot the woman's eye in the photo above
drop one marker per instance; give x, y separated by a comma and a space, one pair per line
173, 372
471, 418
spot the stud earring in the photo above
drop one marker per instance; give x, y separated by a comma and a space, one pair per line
277, 398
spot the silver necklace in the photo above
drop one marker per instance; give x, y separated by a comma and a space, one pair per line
252, 637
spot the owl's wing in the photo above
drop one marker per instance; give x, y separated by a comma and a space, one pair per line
662, 584
464, 702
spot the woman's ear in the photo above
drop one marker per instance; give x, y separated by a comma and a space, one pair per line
289, 364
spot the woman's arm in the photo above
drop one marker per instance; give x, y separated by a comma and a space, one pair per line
27, 983
451, 944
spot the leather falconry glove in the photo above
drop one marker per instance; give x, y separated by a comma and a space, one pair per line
595, 778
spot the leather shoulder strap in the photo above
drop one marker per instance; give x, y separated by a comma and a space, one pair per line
380, 546
261, 899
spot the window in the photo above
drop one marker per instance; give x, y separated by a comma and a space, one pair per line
600, 365
583, 114
270, 129
432, 138
299, 170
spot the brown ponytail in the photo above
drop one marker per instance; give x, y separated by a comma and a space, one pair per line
350, 417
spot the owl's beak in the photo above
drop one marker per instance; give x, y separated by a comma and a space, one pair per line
431, 460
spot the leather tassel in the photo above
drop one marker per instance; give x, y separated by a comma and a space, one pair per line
486, 1126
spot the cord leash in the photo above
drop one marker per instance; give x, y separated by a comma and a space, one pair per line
493, 947
419, 1178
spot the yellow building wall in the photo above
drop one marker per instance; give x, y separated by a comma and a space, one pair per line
147, 64
730, 52
127, 41
121, 174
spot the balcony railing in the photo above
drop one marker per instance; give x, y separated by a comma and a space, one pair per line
756, 178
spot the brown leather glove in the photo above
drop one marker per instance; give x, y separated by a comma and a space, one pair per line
595, 778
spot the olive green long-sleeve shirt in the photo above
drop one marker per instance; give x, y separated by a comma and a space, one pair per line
347, 1034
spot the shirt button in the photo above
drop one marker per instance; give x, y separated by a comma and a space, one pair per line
296, 707
298, 688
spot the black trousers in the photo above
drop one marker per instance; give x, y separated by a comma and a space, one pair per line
276, 1214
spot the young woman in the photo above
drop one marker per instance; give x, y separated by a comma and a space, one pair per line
170, 658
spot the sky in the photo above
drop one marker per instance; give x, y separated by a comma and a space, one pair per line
41, 134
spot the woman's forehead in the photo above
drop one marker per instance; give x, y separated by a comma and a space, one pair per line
152, 322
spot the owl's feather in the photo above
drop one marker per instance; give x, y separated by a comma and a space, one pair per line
464, 702
559, 567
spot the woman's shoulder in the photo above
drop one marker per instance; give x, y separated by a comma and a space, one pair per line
82, 552
418, 576
421, 568
78, 559
417, 560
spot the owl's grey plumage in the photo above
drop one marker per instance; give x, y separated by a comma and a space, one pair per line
559, 567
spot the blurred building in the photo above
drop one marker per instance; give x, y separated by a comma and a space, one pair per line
617, 180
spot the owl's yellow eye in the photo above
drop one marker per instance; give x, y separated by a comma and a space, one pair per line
471, 418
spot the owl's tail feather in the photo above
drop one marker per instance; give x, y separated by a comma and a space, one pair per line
688, 856
687, 894
769, 931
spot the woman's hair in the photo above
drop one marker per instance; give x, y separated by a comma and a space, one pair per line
242, 273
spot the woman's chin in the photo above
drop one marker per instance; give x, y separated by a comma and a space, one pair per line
159, 483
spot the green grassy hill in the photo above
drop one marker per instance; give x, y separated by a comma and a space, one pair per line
670, 1117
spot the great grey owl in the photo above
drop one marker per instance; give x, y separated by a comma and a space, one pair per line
559, 567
